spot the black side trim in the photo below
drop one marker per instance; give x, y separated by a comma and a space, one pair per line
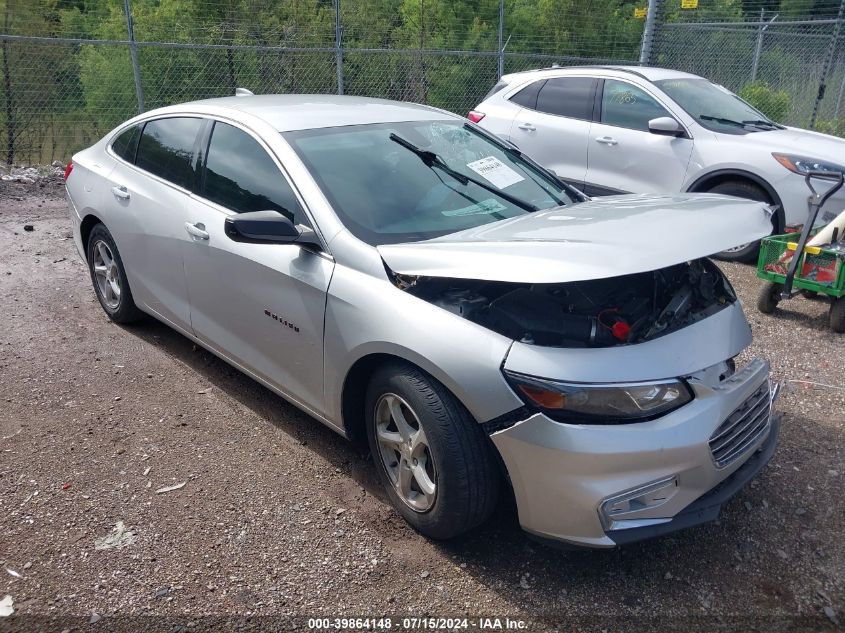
506, 420
707, 507
598, 190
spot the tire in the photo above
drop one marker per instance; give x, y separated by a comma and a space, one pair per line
741, 189
769, 297
453, 454
837, 315
109, 277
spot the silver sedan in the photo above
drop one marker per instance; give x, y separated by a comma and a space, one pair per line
414, 282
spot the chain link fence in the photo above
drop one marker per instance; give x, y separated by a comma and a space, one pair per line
778, 65
72, 69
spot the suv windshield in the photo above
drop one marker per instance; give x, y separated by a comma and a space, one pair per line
404, 182
714, 107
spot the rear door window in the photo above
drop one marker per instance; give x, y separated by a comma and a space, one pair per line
626, 105
568, 96
126, 143
241, 176
166, 149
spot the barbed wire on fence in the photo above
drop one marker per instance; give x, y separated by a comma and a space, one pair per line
73, 70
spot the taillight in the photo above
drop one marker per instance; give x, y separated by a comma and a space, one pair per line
475, 116
68, 169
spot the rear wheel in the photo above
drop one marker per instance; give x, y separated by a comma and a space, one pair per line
433, 459
109, 277
749, 191
769, 297
837, 315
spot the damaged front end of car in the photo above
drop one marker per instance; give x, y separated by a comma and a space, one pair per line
620, 310
636, 419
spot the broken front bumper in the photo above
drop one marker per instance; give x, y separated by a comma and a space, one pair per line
604, 485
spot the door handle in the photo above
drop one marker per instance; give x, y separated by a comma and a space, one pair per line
196, 230
606, 140
527, 127
120, 192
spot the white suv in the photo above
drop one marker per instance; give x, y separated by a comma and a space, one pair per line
619, 129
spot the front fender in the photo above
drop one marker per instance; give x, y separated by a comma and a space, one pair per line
366, 315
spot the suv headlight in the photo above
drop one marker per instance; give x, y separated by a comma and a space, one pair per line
803, 165
601, 403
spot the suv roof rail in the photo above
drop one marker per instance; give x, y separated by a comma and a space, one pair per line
621, 69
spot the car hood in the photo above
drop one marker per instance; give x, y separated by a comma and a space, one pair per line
794, 140
608, 237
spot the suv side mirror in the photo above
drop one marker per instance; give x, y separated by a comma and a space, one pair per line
261, 226
666, 126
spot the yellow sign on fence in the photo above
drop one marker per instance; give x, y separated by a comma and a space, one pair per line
640, 13
689, 4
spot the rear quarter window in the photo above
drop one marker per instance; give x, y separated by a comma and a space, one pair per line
126, 143
527, 97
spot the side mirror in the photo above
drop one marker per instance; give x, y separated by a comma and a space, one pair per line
666, 126
261, 226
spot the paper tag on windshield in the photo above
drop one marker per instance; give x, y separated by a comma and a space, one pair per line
494, 170
485, 207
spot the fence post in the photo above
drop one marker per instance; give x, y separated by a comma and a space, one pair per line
648, 33
838, 112
338, 46
133, 55
828, 60
758, 48
501, 38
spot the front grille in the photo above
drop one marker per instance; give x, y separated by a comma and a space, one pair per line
742, 428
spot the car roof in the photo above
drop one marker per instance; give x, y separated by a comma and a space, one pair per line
288, 112
649, 73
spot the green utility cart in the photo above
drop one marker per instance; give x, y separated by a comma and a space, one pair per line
791, 267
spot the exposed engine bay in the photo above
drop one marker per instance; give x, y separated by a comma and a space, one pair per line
596, 313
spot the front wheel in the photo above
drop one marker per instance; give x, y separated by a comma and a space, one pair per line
741, 189
433, 459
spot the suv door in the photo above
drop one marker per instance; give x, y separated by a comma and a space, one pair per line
261, 306
553, 126
150, 186
624, 156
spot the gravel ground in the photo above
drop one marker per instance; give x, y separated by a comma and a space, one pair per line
281, 517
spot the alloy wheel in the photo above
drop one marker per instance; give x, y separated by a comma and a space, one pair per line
106, 274
405, 453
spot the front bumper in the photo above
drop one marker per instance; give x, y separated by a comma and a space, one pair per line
563, 473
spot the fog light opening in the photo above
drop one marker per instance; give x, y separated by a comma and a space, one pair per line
625, 509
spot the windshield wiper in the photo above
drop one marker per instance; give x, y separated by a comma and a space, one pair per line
432, 161
768, 125
723, 121
515, 151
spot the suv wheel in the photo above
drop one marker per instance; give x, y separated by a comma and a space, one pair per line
433, 459
741, 189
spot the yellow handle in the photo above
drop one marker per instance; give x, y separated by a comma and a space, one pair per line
812, 250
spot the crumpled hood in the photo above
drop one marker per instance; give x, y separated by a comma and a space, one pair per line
607, 237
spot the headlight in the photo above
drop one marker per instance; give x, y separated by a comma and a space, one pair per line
603, 403
803, 165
